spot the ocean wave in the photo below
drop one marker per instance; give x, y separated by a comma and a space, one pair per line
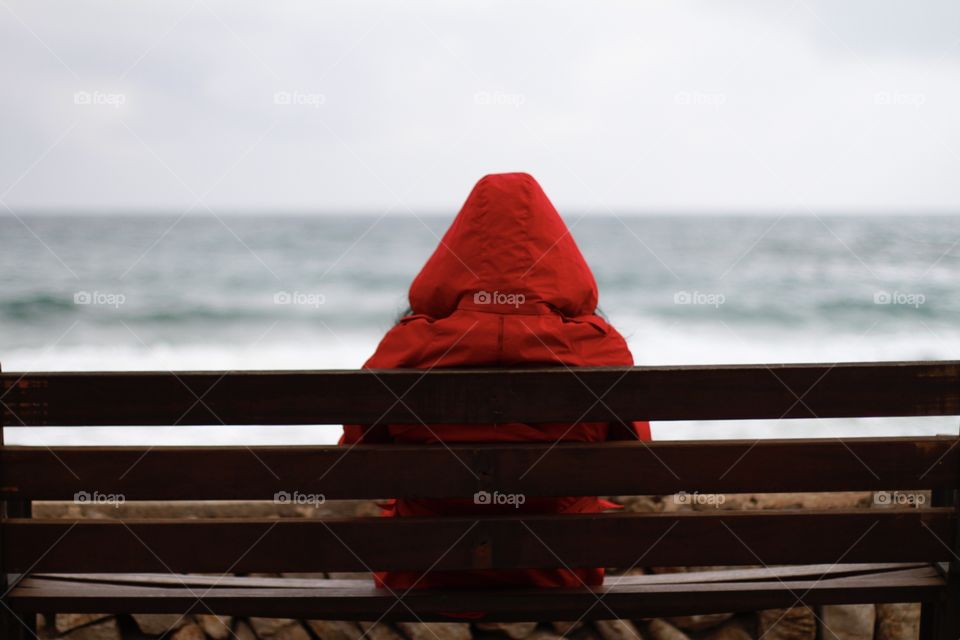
29, 306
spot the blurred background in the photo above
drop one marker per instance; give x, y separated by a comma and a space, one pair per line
200, 185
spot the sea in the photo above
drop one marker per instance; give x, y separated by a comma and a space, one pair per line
265, 290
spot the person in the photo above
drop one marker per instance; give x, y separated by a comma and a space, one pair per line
506, 287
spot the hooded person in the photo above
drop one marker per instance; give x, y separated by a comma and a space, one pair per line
506, 287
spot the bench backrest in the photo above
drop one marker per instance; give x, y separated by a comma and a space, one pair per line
702, 537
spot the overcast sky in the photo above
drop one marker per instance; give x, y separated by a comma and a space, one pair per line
652, 106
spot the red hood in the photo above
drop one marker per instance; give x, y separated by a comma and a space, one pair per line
507, 238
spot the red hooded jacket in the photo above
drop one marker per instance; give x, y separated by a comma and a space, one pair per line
507, 286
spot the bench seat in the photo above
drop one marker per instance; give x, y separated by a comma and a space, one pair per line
620, 597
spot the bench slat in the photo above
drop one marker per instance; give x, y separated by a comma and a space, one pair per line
812, 572
482, 396
361, 601
581, 540
371, 471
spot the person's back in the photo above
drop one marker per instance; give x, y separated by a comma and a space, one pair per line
506, 287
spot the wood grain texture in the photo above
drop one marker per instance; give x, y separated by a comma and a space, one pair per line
579, 540
483, 396
360, 601
568, 469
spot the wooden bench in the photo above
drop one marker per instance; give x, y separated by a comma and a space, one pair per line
786, 557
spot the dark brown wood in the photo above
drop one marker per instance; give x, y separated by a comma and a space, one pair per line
378, 471
949, 625
886, 538
927, 624
13, 626
362, 602
483, 396
810, 572
581, 540
942, 622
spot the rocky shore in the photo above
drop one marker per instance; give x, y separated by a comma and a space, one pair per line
837, 622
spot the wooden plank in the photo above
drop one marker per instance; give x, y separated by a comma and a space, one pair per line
483, 396
205, 580
807, 571
941, 619
13, 626
363, 602
574, 469
812, 572
360, 544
